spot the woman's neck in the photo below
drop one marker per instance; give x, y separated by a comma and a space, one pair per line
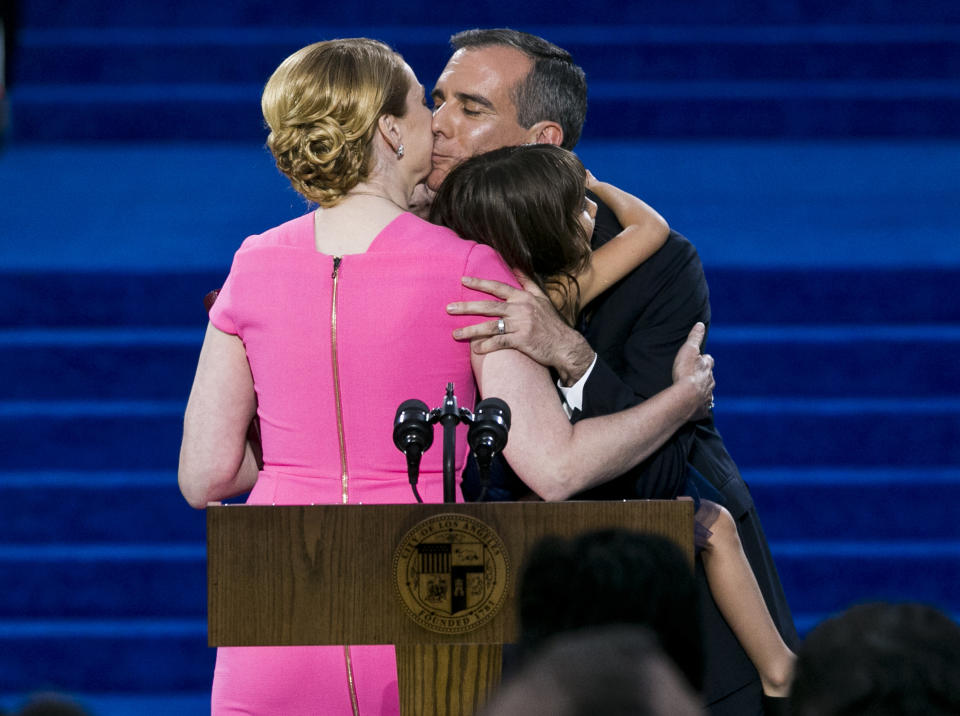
389, 192
352, 225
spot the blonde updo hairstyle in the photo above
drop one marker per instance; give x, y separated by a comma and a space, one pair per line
322, 105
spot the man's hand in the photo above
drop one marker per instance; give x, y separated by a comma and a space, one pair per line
690, 365
529, 323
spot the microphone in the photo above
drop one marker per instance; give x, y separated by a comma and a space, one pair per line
487, 434
413, 435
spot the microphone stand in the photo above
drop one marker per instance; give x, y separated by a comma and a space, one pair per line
488, 435
449, 416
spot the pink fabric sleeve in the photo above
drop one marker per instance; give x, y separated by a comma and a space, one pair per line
484, 262
222, 313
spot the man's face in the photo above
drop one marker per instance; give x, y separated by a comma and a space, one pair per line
473, 108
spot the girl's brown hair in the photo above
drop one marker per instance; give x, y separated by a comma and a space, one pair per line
525, 202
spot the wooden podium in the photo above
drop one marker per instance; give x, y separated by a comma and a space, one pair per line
327, 574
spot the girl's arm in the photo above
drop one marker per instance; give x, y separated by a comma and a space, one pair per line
644, 232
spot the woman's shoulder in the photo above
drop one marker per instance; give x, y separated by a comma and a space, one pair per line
411, 228
295, 233
470, 257
439, 240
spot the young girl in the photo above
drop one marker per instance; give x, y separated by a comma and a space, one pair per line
528, 203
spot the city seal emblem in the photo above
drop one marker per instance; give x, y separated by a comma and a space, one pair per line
451, 573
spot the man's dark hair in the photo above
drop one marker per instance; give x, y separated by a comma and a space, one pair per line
612, 576
880, 659
555, 88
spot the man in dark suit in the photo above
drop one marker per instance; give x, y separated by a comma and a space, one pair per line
500, 88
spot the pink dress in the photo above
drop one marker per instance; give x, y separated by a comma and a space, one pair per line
335, 345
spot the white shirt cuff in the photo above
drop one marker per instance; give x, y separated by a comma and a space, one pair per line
573, 396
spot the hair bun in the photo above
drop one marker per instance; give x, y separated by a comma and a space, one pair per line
322, 105
320, 160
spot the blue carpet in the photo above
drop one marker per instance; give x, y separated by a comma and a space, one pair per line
769, 204
808, 148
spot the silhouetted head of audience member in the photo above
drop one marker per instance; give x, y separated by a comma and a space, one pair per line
882, 660
52, 705
612, 576
614, 670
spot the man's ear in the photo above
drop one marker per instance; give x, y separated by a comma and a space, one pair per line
389, 130
545, 132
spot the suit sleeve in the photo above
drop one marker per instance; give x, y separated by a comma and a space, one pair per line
660, 476
637, 328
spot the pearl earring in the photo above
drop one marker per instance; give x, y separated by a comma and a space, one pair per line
400, 152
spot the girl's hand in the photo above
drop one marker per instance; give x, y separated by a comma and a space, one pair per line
591, 180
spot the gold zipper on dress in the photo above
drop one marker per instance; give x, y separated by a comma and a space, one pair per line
352, 687
344, 482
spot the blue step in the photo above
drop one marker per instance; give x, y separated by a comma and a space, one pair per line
106, 298
139, 55
213, 113
149, 363
94, 436
127, 508
832, 296
91, 581
119, 508
773, 432
770, 432
740, 297
829, 576
487, 13
860, 504
105, 655
841, 361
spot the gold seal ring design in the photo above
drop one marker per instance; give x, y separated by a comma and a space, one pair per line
451, 573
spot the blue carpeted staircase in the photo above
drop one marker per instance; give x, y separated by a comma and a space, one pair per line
843, 415
808, 148
796, 68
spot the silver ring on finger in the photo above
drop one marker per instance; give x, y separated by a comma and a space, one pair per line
501, 326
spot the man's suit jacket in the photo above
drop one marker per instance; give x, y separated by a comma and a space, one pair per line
637, 327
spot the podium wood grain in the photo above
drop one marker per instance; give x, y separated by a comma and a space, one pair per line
323, 574
447, 679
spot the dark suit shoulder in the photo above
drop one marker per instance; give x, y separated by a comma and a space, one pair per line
673, 274
669, 286
606, 227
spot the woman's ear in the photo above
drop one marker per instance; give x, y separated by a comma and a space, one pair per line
390, 131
